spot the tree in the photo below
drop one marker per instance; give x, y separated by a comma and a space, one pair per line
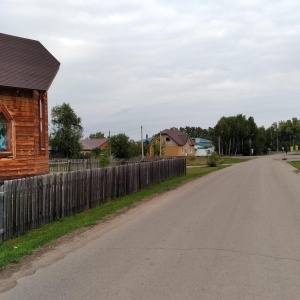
235, 135
261, 141
288, 133
158, 148
97, 135
104, 158
120, 146
135, 149
66, 132
195, 132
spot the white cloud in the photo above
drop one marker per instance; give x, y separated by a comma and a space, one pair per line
164, 63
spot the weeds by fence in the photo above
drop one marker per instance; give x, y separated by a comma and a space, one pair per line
29, 203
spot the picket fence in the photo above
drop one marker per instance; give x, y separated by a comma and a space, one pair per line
29, 203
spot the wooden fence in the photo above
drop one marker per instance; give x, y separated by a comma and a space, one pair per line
68, 165
29, 203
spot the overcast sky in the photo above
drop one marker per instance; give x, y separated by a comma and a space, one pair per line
166, 63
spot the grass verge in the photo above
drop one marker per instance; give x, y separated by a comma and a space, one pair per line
13, 250
295, 164
202, 160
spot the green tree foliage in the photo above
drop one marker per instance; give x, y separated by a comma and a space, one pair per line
157, 147
261, 141
104, 158
146, 147
136, 149
238, 135
103, 155
66, 132
284, 134
214, 160
197, 132
95, 152
120, 146
97, 135
235, 135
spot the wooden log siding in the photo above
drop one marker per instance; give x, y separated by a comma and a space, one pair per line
31, 202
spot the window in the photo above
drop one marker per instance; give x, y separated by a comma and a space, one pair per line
4, 134
6, 126
167, 139
191, 151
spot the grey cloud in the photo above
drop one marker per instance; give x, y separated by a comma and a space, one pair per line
167, 63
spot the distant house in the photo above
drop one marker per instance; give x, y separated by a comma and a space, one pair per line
174, 143
89, 144
27, 70
203, 147
146, 140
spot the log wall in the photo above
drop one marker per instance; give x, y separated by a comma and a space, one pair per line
27, 160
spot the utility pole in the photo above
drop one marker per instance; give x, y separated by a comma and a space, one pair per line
160, 143
142, 142
109, 143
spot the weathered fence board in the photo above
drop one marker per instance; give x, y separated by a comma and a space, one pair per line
2, 214
29, 203
68, 165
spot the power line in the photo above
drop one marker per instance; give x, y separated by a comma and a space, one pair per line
114, 132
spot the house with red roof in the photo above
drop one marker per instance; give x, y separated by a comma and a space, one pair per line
173, 142
27, 70
89, 144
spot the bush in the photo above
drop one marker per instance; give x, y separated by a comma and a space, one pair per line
104, 158
214, 160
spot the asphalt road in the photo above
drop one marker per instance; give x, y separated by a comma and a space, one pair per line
234, 234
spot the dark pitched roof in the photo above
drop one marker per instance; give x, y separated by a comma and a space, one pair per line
26, 64
89, 144
177, 136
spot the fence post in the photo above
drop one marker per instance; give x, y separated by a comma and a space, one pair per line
2, 213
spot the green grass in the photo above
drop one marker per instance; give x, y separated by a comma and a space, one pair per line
13, 250
202, 160
232, 160
295, 164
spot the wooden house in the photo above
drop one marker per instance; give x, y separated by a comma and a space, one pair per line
89, 144
27, 70
174, 143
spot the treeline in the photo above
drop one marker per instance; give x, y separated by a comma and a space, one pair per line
238, 135
235, 135
67, 131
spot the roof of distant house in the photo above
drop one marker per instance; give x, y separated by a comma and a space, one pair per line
26, 64
205, 141
201, 140
89, 144
149, 139
179, 137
